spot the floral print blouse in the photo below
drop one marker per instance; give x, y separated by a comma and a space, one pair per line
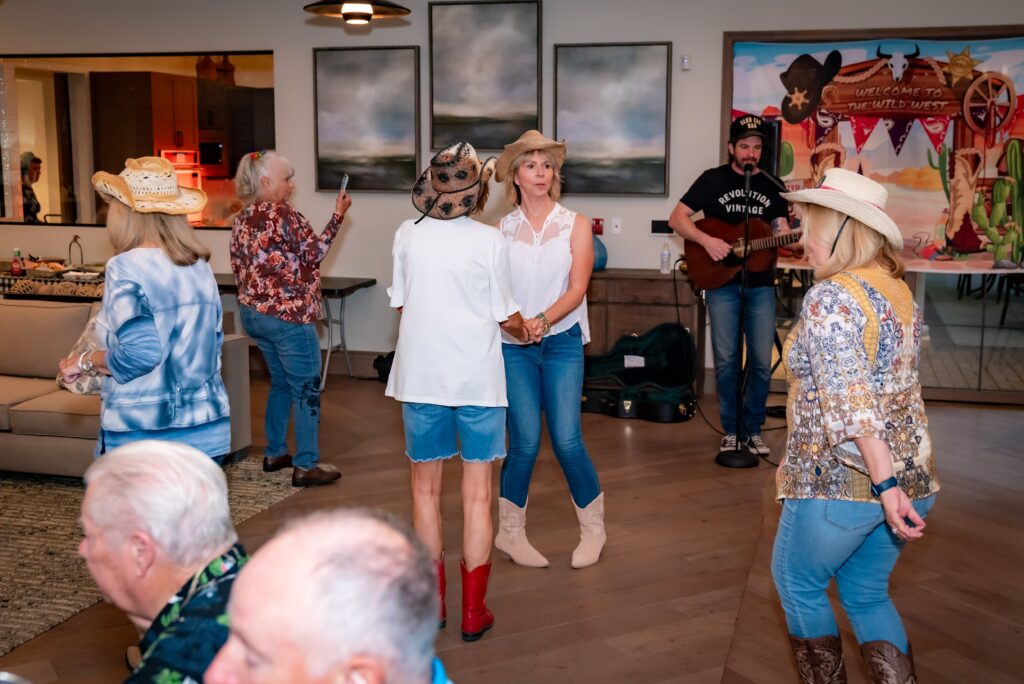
852, 365
275, 256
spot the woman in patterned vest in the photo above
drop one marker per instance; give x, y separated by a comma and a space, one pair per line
858, 476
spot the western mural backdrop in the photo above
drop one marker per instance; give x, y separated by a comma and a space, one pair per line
939, 122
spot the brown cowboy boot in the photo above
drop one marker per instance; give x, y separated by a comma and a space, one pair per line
819, 660
887, 664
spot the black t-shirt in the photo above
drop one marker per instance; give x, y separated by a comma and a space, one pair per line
718, 192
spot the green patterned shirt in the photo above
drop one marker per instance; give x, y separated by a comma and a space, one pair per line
186, 635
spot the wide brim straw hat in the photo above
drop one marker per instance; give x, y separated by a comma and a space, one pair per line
530, 141
149, 185
856, 196
450, 187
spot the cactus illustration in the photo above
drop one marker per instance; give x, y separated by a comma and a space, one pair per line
785, 159
1000, 193
1015, 173
979, 215
942, 166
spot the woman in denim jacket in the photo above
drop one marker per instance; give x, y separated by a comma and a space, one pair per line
161, 318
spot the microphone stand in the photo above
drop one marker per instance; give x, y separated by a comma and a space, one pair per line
741, 458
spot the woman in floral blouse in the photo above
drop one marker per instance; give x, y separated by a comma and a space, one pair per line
858, 477
276, 255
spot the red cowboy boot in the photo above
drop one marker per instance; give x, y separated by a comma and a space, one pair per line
476, 619
441, 591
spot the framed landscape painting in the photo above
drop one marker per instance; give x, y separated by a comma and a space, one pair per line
612, 108
484, 72
367, 117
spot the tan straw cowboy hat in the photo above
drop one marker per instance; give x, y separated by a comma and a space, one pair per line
149, 185
856, 196
530, 141
450, 187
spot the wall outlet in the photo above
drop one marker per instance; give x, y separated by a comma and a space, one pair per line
616, 225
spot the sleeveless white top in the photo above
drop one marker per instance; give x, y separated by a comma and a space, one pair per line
540, 264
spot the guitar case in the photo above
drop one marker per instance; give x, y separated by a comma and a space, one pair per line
647, 376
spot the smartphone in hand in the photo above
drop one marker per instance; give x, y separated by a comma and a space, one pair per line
344, 181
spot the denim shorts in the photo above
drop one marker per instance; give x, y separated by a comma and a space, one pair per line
434, 432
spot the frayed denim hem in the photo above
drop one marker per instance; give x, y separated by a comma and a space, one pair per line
428, 460
492, 459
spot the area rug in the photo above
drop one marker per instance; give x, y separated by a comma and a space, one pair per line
43, 581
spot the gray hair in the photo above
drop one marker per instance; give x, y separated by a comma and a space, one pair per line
375, 589
174, 493
251, 169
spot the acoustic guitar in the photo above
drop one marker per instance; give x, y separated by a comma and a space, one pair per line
705, 273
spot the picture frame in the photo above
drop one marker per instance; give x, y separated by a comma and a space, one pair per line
929, 113
367, 111
612, 107
485, 72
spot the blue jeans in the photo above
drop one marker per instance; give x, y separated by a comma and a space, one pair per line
759, 330
292, 353
819, 539
546, 377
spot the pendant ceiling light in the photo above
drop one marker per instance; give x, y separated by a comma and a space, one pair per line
357, 12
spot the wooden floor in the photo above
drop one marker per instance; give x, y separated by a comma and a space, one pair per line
682, 593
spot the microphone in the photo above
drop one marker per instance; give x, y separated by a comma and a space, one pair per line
748, 169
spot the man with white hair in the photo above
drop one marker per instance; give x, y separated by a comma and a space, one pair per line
160, 544
354, 601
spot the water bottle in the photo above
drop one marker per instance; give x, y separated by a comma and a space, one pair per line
666, 259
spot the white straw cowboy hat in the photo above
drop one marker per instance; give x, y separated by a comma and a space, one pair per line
530, 141
856, 196
149, 185
450, 187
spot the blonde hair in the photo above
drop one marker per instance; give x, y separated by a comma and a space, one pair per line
251, 169
127, 229
857, 247
512, 192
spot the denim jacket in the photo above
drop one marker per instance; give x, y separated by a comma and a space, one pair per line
185, 388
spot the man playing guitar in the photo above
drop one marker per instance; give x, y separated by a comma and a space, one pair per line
719, 193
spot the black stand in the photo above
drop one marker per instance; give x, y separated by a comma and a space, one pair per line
741, 457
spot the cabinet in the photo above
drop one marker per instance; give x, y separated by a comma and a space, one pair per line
136, 114
621, 301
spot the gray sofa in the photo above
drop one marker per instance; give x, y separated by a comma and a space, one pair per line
47, 429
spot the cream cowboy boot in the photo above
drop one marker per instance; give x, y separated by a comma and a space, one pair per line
592, 536
511, 539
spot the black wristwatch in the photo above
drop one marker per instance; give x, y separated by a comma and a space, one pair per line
877, 489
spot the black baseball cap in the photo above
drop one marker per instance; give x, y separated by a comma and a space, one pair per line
746, 126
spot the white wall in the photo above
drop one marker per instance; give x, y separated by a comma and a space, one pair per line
694, 26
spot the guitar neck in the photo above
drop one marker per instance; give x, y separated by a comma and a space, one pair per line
775, 241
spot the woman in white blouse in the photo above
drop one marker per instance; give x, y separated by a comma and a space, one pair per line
551, 254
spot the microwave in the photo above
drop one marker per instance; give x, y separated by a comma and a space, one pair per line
213, 154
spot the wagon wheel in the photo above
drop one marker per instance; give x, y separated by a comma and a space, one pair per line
988, 104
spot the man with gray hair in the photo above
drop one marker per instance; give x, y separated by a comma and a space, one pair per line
347, 597
160, 544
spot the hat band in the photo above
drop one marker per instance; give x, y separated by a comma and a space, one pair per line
827, 187
442, 193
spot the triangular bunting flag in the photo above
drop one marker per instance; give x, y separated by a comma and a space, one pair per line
898, 130
863, 126
935, 127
